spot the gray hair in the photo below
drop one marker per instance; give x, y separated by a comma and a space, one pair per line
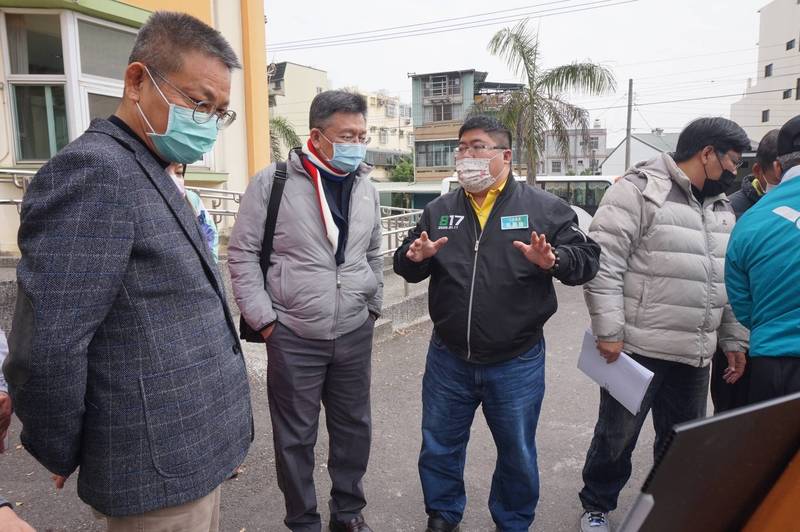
165, 36
789, 160
325, 104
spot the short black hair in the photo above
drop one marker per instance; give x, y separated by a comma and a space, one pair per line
490, 125
767, 151
166, 35
326, 104
723, 134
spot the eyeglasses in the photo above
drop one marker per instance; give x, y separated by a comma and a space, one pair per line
736, 164
349, 139
475, 149
203, 111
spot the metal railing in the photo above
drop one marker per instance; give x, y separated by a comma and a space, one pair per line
395, 224
20, 179
216, 197
395, 221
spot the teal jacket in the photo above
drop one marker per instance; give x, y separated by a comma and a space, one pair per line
762, 271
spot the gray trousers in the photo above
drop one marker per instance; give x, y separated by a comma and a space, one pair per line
301, 374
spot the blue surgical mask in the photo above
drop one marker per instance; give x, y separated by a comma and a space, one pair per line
347, 157
184, 141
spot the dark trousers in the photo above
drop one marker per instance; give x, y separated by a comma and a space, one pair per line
510, 394
728, 396
301, 374
678, 393
773, 377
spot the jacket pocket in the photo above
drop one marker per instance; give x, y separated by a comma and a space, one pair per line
181, 411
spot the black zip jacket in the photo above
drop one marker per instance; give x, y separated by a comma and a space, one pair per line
488, 303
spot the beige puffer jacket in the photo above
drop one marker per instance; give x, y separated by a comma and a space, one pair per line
661, 284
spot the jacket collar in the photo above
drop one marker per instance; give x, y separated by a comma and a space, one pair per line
295, 165
661, 171
166, 187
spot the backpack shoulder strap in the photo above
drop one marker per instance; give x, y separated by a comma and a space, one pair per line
276, 194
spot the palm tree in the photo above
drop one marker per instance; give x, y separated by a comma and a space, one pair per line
539, 107
281, 132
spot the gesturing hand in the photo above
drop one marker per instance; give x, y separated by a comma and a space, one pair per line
424, 248
539, 251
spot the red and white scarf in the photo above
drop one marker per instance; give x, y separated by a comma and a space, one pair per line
312, 162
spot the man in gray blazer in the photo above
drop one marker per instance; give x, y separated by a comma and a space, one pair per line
317, 309
124, 358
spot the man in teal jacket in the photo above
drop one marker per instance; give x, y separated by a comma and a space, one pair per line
762, 276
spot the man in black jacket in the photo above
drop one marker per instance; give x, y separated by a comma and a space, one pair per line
725, 395
490, 295
763, 178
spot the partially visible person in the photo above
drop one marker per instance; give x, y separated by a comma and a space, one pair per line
204, 219
660, 296
9, 521
5, 400
763, 276
762, 180
728, 395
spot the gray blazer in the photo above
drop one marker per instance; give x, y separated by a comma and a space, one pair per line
124, 358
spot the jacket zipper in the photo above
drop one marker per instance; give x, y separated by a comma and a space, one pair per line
710, 273
472, 293
336, 304
475, 220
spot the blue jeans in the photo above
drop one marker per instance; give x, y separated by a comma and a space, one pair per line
511, 394
677, 393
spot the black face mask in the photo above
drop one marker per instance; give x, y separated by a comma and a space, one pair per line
715, 188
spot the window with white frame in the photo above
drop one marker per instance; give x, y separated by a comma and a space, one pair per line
63, 69
391, 109
555, 167
383, 136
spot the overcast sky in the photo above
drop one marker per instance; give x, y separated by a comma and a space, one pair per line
672, 49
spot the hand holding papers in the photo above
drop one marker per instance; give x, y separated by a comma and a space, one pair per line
626, 380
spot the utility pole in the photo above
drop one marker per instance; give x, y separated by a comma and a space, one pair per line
628, 134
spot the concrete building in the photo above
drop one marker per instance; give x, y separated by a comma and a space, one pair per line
586, 152
62, 63
440, 102
389, 125
644, 146
778, 72
291, 89
390, 129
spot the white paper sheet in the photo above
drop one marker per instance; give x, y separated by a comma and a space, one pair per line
626, 380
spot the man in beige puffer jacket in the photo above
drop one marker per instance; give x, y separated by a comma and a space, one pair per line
660, 296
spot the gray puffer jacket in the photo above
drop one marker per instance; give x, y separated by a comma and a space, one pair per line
306, 291
661, 284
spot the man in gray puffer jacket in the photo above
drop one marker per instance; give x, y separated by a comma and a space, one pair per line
660, 296
318, 308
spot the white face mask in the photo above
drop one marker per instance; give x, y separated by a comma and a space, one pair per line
769, 187
474, 174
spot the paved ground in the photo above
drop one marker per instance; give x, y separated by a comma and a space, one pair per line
253, 502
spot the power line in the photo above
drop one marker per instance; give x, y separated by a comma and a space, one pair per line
418, 24
587, 6
684, 100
